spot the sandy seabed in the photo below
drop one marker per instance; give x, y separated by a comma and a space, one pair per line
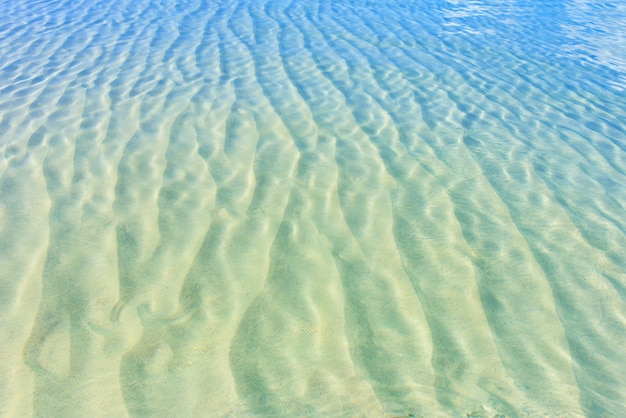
307, 208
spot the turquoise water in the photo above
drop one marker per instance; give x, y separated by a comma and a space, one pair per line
312, 208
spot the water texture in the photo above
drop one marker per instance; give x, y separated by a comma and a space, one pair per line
312, 208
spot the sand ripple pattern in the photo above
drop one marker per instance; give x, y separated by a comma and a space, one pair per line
310, 208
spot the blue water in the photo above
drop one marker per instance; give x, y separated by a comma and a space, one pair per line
313, 208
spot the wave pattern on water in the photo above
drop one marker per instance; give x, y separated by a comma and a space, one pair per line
311, 208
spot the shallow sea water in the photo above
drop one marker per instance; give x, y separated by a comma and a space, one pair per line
312, 208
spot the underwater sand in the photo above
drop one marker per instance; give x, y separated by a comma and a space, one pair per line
268, 208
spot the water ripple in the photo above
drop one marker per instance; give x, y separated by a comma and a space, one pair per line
323, 208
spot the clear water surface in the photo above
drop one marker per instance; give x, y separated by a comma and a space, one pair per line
312, 208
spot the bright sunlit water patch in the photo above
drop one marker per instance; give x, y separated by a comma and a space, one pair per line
312, 208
